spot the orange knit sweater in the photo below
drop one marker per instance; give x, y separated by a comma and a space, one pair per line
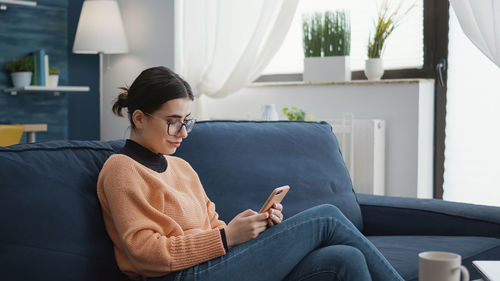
158, 222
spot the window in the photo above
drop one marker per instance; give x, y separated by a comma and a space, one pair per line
404, 47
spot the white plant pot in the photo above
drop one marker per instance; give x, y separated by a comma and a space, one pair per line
270, 112
327, 69
53, 80
374, 69
21, 79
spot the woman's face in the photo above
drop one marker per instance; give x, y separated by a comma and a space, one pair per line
154, 129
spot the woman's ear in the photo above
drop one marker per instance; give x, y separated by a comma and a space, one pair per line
139, 118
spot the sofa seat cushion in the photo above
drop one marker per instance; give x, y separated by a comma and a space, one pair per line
241, 162
402, 251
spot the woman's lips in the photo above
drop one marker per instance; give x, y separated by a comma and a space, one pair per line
174, 144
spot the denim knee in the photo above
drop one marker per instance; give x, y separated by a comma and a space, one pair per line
346, 261
330, 209
352, 255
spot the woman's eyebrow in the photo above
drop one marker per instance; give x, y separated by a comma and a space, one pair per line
178, 116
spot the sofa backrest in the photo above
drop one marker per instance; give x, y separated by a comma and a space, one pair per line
241, 162
52, 224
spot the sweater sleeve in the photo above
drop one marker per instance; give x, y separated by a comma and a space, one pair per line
214, 217
148, 235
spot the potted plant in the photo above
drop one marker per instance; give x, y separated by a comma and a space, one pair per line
53, 76
384, 25
327, 45
21, 70
296, 114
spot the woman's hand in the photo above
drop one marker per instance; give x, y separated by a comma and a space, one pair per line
275, 215
245, 226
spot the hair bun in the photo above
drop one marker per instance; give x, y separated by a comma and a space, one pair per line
121, 102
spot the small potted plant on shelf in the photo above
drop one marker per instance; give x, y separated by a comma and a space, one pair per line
53, 77
21, 70
327, 46
296, 114
384, 25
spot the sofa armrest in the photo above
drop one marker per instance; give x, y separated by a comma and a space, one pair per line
385, 215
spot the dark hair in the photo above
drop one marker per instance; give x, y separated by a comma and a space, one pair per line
150, 90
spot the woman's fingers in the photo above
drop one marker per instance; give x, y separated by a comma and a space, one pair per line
276, 219
278, 206
276, 214
258, 217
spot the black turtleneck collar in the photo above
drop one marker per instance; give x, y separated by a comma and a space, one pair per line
154, 161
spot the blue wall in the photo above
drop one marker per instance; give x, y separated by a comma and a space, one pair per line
83, 108
50, 25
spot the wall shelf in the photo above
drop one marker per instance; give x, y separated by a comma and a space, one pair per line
42, 89
4, 3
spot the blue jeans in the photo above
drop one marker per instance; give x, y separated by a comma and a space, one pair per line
319, 243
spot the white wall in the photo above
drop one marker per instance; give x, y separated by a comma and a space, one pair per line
407, 107
149, 25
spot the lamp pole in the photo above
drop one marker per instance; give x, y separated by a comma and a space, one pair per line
101, 97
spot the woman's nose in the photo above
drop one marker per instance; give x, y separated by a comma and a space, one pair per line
183, 132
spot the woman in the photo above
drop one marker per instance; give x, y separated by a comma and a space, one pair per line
164, 227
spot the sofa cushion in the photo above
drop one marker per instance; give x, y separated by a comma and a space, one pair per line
51, 218
402, 251
241, 162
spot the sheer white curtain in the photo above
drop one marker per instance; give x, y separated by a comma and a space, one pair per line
221, 45
480, 21
472, 150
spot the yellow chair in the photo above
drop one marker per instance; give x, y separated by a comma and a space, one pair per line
10, 134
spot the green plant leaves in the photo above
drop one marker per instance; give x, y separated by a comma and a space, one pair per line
385, 24
296, 114
53, 71
327, 34
19, 65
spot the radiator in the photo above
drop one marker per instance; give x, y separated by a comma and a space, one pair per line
362, 143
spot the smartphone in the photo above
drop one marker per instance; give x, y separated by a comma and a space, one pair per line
276, 196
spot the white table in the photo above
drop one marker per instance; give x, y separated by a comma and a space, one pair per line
31, 130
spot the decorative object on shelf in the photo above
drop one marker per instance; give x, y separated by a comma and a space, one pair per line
100, 31
270, 112
387, 20
296, 114
374, 69
21, 70
40, 68
327, 44
53, 77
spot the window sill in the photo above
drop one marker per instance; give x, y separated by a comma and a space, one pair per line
352, 82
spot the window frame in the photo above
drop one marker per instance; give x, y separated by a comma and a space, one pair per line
436, 28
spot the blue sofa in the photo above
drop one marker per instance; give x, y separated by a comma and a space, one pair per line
52, 227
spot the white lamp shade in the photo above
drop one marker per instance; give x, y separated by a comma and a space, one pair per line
100, 29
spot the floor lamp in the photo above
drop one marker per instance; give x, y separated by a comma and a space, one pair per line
100, 31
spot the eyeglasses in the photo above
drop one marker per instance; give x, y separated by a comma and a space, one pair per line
174, 127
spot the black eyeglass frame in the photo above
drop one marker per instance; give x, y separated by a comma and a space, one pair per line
189, 126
